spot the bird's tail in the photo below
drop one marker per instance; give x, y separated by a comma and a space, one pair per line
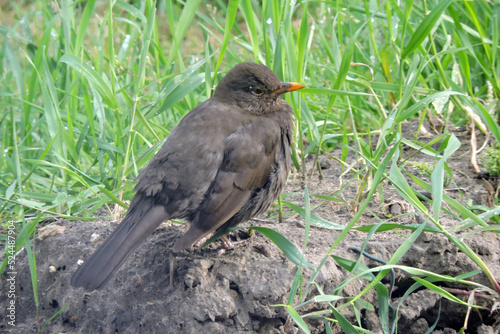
97, 270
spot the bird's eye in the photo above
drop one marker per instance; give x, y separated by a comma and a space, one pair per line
257, 91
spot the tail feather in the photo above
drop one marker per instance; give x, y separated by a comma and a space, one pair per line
96, 271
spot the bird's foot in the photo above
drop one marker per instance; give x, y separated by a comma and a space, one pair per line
228, 244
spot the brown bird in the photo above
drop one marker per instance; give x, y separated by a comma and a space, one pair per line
224, 163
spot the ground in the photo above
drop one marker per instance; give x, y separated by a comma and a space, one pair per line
217, 291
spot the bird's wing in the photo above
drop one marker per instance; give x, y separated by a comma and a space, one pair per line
180, 174
249, 156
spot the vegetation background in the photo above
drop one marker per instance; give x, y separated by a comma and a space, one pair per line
90, 89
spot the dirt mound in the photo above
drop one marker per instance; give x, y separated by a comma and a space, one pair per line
231, 292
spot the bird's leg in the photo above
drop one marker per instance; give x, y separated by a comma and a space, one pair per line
228, 244
172, 267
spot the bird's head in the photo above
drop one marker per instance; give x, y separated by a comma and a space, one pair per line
253, 87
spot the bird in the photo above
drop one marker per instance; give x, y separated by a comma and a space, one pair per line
225, 162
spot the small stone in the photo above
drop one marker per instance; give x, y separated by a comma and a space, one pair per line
95, 237
263, 249
325, 162
485, 329
52, 269
395, 209
138, 282
419, 326
79, 262
50, 231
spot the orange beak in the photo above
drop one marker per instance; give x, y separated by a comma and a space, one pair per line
288, 87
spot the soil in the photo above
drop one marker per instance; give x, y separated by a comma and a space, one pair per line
236, 291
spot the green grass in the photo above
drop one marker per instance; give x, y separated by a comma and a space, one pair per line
89, 90
492, 160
